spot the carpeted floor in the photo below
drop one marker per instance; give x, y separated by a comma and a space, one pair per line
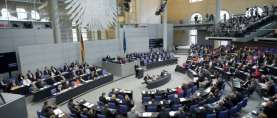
131, 83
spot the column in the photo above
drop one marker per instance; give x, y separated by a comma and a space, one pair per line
165, 39
55, 19
217, 20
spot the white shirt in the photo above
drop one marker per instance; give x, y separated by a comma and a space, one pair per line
26, 82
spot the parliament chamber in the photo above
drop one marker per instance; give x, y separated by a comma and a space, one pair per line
138, 58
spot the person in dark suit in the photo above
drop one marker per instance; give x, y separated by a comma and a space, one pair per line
103, 99
31, 76
136, 70
129, 102
163, 114
75, 109
47, 109
38, 74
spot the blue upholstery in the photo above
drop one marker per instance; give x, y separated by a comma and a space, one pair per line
121, 97
84, 116
233, 110
176, 107
71, 115
123, 109
244, 102
53, 91
151, 108
194, 88
40, 115
171, 97
101, 116
158, 98
100, 103
145, 99
192, 107
213, 115
112, 105
188, 92
223, 114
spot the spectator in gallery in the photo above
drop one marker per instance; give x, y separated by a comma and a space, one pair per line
224, 18
196, 19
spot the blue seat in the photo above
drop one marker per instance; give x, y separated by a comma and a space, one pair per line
151, 108
123, 109
244, 102
53, 91
100, 116
121, 97
194, 88
212, 115
100, 103
40, 115
145, 99
233, 110
84, 116
112, 105
223, 114
72, 115
188, 92
192, 107
171, 97
158, 98
176, 107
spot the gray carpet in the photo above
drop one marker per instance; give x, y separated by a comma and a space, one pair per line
131, 83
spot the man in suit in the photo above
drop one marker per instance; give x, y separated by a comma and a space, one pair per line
31, 76
103, 99
38, 74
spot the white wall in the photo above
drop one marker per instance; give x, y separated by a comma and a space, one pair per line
146, 11
137, 39
10, 39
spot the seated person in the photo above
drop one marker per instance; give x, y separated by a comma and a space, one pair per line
75, 109
128, 101
26, 82
38, 74
31, 76
102, 98
47, 110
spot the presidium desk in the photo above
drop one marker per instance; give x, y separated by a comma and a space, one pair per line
120, 70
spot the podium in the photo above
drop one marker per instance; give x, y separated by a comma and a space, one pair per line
13, 107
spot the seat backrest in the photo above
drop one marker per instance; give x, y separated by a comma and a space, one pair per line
40, 115
213, 115
223, 114
152, 108
112, 105
84, 116
101, 116
123, 108
146, 99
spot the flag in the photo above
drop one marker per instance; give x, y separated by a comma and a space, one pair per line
124, 42
82, 49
